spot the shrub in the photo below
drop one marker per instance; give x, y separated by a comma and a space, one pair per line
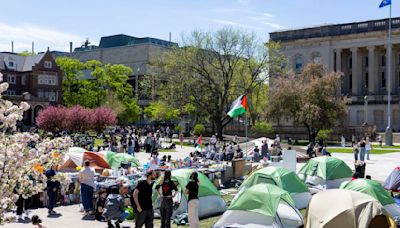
324, 134
179, 128
199, 129
262, 128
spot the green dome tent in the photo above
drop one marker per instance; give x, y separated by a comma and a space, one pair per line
261, 205
374, 189
115, 159
210, 200
283, 178
325, 172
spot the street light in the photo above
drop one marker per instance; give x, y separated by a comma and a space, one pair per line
365, 110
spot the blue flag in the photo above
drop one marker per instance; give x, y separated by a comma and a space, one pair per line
385, 3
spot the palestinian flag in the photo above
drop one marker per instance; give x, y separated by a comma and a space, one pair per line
238, 107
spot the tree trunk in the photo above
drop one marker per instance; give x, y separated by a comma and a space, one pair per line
219, 129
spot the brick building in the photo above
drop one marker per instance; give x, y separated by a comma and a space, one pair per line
35, 79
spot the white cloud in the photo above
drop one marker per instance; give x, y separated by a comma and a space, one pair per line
274, 25
236, 24
24, 34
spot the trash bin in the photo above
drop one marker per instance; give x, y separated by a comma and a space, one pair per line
238, 166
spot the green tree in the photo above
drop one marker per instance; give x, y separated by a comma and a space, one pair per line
311, 99
160, 111
26, 53
212, 70
104, 85
199, 129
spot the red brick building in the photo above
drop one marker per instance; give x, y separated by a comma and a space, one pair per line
35, 79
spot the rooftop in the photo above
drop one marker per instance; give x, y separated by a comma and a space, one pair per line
13, 61
125, 40
335, 30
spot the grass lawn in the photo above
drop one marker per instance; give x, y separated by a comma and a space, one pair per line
373, 151
166, 150
387, 147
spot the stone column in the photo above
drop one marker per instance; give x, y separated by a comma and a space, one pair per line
355, 72
372, 73
338, 60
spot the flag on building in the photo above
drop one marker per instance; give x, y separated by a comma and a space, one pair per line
238, 107
385, 3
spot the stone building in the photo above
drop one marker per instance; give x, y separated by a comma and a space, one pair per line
35, 79
127, 50
358, 51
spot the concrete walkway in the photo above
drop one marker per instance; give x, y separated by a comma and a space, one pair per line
69, 217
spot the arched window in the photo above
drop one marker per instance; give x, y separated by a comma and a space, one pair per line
298, 62
316, 57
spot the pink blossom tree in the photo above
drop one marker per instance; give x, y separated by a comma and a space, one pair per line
101, 118
51, 118
77, 119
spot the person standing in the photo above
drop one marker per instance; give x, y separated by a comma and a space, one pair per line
52, 188
256, 154
86, 179
264, 150
181, 139
192, 189
166, 208
362, 149
114, 208
131, 149
355, 151
353, 140
142, 202
368, 147
343, 141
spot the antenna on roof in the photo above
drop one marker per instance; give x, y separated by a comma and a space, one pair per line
170, 35
33, 47
86, 43
12, 46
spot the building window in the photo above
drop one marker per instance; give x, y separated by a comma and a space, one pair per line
11, 64
366, 80
47, 80
383, 79
48, 64
350, 62
23, 80
316, 57
383, 60
398, 79
11, 79
298, 63
350, 81
10, 92
366, 61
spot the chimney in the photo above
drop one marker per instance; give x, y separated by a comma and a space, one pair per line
70, 47
33, 47
12, 46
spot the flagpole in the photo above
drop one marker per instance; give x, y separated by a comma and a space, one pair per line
245, 124
388, 133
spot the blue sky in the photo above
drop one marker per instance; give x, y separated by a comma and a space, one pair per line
54, 23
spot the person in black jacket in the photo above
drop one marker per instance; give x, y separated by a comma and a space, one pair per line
168, 192
52, 188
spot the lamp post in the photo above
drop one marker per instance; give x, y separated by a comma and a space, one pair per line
365, 110
137, 81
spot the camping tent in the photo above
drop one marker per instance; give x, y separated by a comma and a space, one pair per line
374, 189
74, 159
115, 159
210, 200
261, 205
324, 173
392, 182
344, 208
283, 178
